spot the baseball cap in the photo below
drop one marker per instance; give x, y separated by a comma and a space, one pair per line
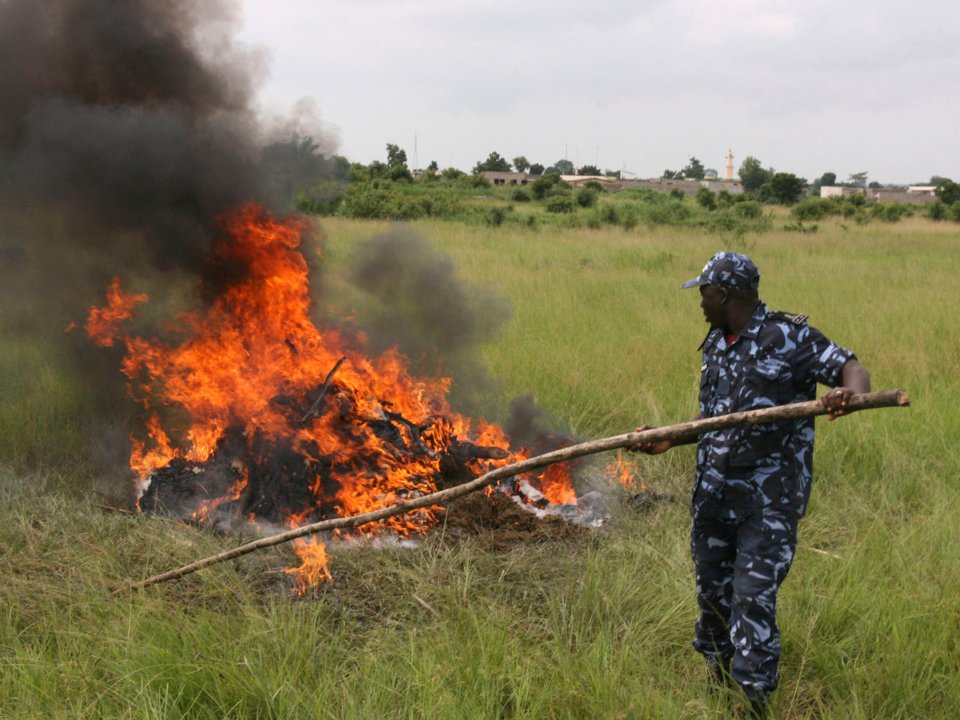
729, 269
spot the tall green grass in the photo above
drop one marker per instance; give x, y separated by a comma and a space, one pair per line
599, 627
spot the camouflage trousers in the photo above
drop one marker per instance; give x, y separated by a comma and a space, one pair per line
741, 554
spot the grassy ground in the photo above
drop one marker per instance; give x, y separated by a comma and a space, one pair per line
600, 627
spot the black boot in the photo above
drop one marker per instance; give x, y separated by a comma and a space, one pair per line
719, 671
756, 705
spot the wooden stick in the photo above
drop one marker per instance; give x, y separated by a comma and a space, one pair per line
679, 434
323, 391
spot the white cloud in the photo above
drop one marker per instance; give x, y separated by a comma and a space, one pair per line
799, 84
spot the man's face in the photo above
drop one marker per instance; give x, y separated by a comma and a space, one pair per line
712, 301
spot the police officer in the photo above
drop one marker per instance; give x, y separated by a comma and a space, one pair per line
753, 483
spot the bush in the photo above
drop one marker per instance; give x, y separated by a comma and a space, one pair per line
937, 211
890, 212
602, 215
323, 198
748, 210
587, 197
381, 199
629, 216
520, 195
544, 184
813, 209
496, 215
673, 213
561, 202
706, 199
725, 199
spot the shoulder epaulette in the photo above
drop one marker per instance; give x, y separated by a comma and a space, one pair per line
790, 317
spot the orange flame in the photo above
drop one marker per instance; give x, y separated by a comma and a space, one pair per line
102, 323
313, 569
625, 473
252, 356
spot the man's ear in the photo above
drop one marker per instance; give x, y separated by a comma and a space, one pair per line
726, 295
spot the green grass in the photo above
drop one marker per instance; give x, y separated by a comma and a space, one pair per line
599, 627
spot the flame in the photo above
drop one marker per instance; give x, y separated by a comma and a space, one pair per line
313, 569
254, 362
102, 323
624, 473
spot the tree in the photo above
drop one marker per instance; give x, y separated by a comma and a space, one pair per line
948, 191
396, 157
564, 167
536, 169
433, 168
694, 170
671, 175
493, 163
752, 174
859, 179
521, 164
589, 170
784, 188
828, 179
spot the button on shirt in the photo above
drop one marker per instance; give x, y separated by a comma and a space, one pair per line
777, 359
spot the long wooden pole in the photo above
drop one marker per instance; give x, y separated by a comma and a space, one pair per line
680, 433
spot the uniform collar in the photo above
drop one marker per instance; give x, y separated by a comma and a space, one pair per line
752, 328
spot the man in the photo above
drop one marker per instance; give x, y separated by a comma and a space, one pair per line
753, 483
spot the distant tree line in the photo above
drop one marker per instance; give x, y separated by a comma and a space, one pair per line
298, 172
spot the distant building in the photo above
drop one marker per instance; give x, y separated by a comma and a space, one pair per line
841, 191
575, 181
506, 178
913, 195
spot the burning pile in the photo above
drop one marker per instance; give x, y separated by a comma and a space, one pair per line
256, 415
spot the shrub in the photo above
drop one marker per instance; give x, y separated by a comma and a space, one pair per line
322, 198
381, 199
748, 210
813, 209
496, 215
544, 184
587, 197
601, 215
561, 203
706, 199
891, 212
937, 211
724, 199
672, 213
520, 195
628, 216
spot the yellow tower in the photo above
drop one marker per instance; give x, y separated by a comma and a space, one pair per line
729, 175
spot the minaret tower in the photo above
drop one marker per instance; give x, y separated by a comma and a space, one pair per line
729, 174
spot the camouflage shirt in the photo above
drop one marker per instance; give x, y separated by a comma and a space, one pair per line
777, 359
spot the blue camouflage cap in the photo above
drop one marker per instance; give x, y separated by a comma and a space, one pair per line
729, 269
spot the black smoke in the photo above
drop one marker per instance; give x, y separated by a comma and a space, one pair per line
130, 119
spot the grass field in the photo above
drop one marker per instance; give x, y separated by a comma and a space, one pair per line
601, 335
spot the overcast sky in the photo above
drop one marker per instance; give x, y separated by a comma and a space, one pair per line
807, 86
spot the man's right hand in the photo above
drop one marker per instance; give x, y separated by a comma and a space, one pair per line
651, 447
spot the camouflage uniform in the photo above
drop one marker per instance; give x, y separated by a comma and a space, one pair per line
753, 483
